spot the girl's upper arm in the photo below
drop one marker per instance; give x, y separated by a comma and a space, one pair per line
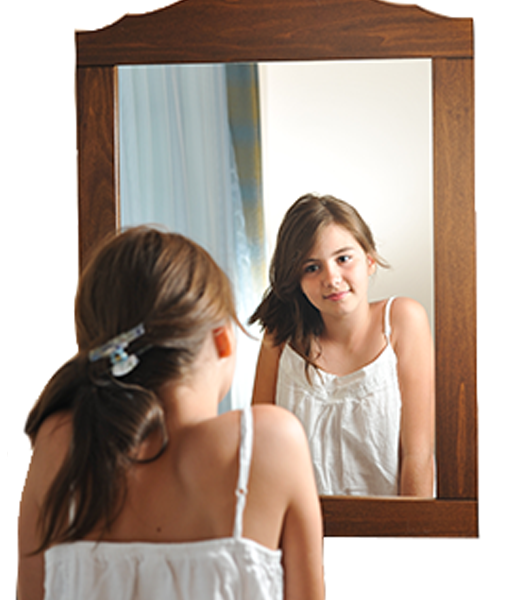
265, 380
48, 454
290, 515
412, 341
30, 567
302, 535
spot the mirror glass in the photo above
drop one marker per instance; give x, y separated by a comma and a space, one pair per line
219, 152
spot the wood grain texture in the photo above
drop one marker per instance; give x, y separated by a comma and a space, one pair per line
252, 30
393, 517
96, 157
455, 281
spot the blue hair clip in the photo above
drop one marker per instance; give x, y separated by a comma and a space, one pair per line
115, 349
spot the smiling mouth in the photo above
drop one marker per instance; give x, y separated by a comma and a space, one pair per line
335, 296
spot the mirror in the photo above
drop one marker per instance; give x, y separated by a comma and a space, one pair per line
198, 31
360, 130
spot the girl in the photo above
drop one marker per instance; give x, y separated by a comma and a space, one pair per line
136, 488
359, 375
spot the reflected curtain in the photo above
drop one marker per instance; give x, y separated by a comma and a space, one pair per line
189, 143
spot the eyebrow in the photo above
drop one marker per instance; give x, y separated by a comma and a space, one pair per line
335, 253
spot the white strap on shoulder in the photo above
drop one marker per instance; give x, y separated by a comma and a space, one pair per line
244, 466
387, 320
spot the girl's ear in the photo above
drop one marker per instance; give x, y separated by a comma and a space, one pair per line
372, 265
223, 339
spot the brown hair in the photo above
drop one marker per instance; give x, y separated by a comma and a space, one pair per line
285, 312
143, 275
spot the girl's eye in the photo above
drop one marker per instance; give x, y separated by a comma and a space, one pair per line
343, 258
310, 268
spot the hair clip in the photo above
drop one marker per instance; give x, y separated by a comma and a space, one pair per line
115, 349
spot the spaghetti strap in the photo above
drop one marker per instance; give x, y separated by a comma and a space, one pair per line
244, 465
387, 321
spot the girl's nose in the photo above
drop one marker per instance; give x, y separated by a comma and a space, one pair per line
332, 275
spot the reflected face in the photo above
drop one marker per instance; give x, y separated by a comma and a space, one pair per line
335, 273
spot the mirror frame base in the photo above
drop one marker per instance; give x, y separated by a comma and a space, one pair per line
399, 517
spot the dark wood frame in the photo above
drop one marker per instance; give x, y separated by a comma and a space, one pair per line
194, 31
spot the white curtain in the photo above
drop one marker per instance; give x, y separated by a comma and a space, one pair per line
178, 168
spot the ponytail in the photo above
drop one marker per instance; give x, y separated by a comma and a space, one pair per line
110, 420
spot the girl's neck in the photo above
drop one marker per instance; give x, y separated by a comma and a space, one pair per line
352, 341
348, 329
186, 406
195, 397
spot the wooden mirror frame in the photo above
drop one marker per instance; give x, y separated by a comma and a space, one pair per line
199, 31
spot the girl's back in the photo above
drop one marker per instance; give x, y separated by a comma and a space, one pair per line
188, 494
176, 534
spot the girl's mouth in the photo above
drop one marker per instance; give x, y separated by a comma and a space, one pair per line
335, 296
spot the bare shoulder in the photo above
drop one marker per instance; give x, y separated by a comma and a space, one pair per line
271, 424
279, 437
279, 443
55, 428
277, 434
407, 313
54, 436
50, 449
407, 308
275, 421
266, 370
282, 464
270, 348
410, 327
269, 341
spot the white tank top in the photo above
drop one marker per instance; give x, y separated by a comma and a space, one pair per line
352, 422
219, 569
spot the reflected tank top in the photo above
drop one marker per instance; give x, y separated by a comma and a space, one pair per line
352, 422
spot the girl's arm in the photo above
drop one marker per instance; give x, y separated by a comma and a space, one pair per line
49, 451
302, 536
284, 451
264, 390
30, 568
412, 341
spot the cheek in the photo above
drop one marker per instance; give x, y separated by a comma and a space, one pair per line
305, 286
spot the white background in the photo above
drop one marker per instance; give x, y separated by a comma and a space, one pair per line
38, 221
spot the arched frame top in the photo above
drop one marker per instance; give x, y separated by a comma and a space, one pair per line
256, 30
193, 31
